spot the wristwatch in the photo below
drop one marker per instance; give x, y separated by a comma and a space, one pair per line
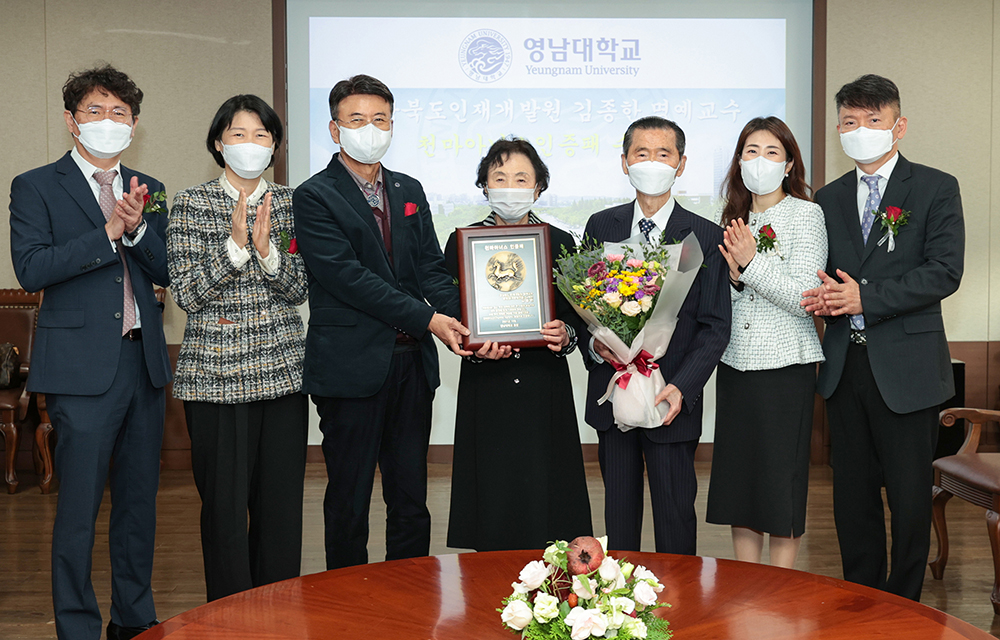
132, 235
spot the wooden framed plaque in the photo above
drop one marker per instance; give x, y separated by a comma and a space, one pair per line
505, 279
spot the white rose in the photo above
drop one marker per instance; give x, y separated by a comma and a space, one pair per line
519, 588
646, 303
586, 623
644, 593
613, 298
583, 587
609, 570
516, 615
631, 308
642, 573
635, 627
534, 574
604, 543
546, 607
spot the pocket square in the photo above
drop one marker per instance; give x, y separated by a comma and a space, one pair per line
410, 208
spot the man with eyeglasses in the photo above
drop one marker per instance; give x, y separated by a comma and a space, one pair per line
378, 289
79, 231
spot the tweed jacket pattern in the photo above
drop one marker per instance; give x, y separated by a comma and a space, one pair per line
244, 339
770, 328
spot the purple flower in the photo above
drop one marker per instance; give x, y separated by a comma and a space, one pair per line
639, 294
612, 285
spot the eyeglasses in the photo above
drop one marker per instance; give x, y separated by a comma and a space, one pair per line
357, 122
118, 114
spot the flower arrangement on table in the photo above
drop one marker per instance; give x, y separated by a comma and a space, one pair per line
630, 295
577, 591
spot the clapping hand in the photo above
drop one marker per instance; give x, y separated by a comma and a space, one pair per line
239, 233
262, 227
740, 247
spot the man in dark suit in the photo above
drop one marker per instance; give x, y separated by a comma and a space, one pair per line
78, 231
887, 361
652, 155
378, 289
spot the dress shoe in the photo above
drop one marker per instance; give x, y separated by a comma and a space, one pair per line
116, 632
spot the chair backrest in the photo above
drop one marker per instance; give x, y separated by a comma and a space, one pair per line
976, 419
18, 314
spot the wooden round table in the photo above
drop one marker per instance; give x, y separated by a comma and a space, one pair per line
456, 596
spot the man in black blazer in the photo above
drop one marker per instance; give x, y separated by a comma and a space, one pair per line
887, 361
78, 231
378, 289
652, 154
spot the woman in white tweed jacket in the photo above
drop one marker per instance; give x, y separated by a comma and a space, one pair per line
234, 270
775, 241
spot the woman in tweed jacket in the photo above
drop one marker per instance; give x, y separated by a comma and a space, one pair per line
239, 372
775, 242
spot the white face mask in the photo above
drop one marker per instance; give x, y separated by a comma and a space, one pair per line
104, 138
866, 145
511, 204
763, 176
651, 178
367, 145
248, 160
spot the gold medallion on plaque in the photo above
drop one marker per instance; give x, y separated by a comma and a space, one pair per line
505, 271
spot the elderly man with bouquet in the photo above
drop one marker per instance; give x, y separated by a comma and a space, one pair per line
687, 324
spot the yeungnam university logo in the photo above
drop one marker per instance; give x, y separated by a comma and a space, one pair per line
485, 55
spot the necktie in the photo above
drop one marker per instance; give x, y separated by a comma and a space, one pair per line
107, 201
646, 225
383, 226
867, 220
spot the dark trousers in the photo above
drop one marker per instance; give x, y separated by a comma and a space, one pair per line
391, 429
120, 430
672, 488
872, 446
249, 460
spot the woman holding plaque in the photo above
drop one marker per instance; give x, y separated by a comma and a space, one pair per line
518, 480
775, 241
234, 269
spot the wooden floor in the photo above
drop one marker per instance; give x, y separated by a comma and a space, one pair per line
26, 533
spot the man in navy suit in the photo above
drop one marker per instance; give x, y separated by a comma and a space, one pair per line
378, 293
652, 156
79, 232
888, 367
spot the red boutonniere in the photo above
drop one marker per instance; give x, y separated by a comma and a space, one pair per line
288, 244
153, 202
410, 208
767, 240
892, 219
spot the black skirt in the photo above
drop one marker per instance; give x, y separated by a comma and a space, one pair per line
760, 461
518, 480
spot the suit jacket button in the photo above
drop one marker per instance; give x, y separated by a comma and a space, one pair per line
98, 261
118, 316
863, 281
517, 381
118, 279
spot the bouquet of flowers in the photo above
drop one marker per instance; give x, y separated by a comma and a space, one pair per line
629, 295
579, 592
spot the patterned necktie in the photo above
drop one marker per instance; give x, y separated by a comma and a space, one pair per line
867, 220
107, 201
646, 225
383, 226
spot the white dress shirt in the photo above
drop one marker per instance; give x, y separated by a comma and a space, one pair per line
660, 219
883, 174
241, 255
119, 188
